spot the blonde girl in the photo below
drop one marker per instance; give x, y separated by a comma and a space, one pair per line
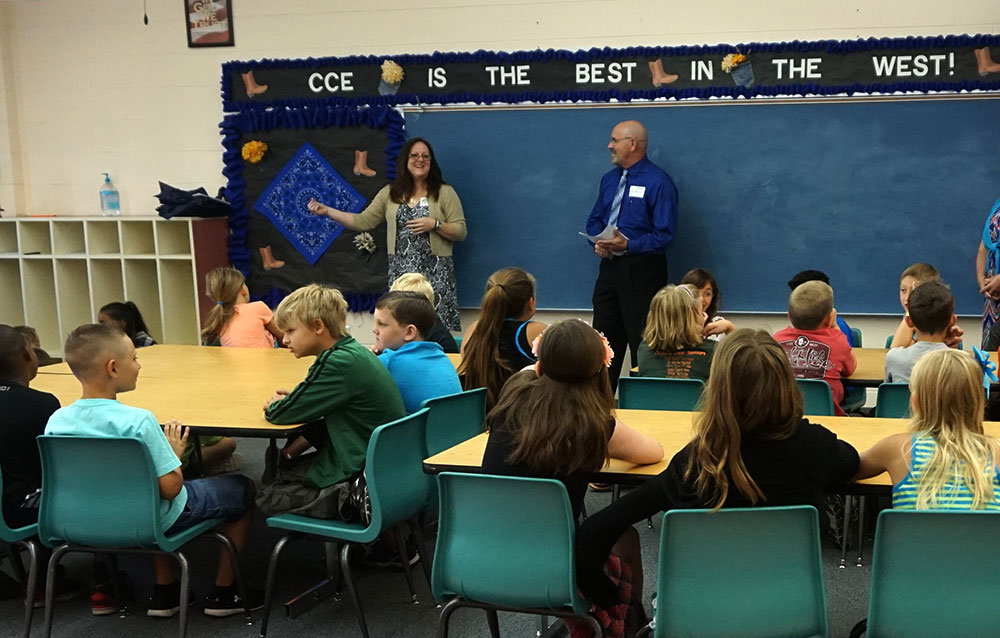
751, 447
235, 321
672, 342
498, 343
946, 461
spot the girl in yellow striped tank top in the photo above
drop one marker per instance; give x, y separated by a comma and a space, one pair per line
945, 461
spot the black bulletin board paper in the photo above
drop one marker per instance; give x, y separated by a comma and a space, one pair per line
859, 189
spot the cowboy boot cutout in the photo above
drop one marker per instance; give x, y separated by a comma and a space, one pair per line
267, 257
660, 76
251, 85
361, 164
985, 62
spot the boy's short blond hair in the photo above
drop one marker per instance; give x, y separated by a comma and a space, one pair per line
922, 272
810, 304
90, 346
416, 282
312, 302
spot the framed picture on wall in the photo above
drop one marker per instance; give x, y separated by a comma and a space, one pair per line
209, 23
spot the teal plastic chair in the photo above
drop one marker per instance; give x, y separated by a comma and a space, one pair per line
855, 397
934, 574
12, 537
816, 397
751, 572
398, 490
506, 543
893, 401
90, 505
648, 393
452, 419
458, 342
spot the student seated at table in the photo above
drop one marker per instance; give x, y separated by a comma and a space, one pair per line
23, 414
498, 343
417, 282
818, 275
346, 394
816, 348
557, 421
751, 447
706, 289
912, 278
104, 360
127, 318
44, 358
931, 316
672, 342
234, 321
420, 368
945, 461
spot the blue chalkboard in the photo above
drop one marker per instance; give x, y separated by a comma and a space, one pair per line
857, 188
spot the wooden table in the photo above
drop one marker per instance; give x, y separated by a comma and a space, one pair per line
674, 431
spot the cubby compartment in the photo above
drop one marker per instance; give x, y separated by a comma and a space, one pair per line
173, 238
39, 299
34, 238
12, 308
102, 238
180, 321
8, 238
106, 283
74, 294
68, 239
137, 238
141, 288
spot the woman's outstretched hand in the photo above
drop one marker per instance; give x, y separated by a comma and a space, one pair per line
317, 208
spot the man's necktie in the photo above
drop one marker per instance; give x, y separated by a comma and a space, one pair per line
616, 203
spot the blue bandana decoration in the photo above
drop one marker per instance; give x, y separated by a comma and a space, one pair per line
306, 176
989, 369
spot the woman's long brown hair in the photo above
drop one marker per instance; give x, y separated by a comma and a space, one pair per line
508, 292
402, 187
560, 418
751, 388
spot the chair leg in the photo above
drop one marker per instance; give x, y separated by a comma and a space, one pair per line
844, 531
29, 598
494, 623
862, 502
345, 568
50, 586
272, 566
425, 555
234, 562
405, 559
185, 591
446, 612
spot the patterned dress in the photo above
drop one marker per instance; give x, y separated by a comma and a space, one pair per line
413, 254
991, 239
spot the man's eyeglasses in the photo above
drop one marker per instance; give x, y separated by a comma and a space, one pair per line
615, 140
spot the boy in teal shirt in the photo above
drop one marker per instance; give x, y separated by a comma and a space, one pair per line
346, 394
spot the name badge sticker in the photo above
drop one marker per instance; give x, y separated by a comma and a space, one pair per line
636, 191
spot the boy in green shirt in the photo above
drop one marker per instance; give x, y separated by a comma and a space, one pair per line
346, 394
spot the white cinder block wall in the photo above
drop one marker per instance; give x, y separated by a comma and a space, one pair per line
86, 87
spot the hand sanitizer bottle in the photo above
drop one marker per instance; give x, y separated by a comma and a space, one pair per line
109, 198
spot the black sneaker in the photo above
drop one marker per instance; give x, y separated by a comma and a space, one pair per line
226, 601
165, 601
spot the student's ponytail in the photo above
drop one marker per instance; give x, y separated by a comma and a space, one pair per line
223, 286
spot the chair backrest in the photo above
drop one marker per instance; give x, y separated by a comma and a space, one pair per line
397, 484
507, 541
753, 572
454, 418
12, 535
934, 574
647, 393
816, 397
856, 337
98, 491
893, 401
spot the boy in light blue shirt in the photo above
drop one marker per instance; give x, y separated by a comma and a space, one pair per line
420, 368
104, 360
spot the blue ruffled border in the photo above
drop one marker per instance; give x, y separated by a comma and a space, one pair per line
828, 46
234, 126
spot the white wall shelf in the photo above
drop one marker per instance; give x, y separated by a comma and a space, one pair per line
56, 273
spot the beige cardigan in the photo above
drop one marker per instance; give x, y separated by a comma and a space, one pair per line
447, 208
